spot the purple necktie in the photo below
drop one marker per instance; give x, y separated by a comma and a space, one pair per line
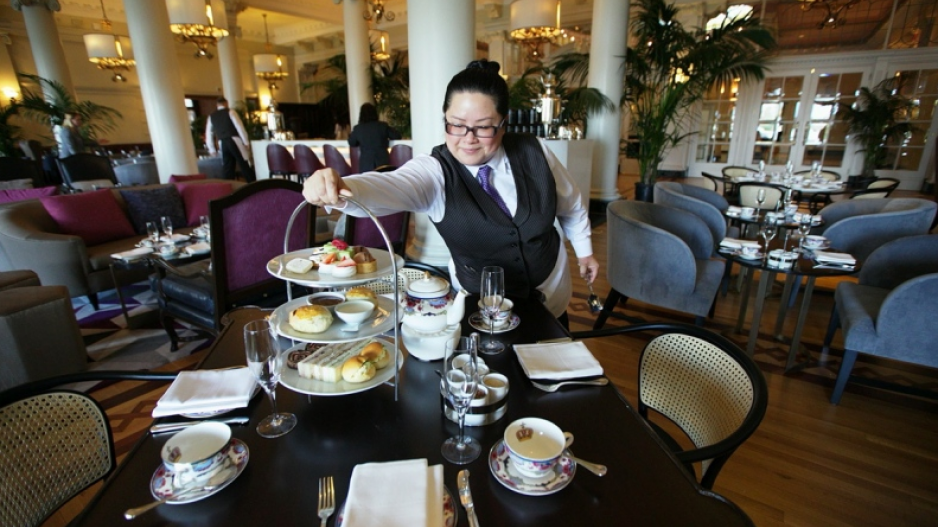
484, 172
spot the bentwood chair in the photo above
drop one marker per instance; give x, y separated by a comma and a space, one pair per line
401, 154
704, 384
305, 161
748, 192
662, 256
54, 443
716, 182
364, 232
334, 160
730, 176
280, 162
891, 311
411, 271
878, 188
247, 231
82, 172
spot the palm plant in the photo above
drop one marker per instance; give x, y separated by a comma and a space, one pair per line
873, 121
672, 68
51, 109
9, 132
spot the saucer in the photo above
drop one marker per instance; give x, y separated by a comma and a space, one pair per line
505, 474
161, 484
450, 513
757, 256
477, 322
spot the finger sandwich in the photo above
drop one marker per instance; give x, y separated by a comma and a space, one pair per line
325, 364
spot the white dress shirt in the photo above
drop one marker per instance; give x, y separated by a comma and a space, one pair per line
419, 186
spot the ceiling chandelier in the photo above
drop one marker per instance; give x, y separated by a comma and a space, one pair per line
109, 51
194, 21
534, 23
269, 66
733, 13
834, 15
374, 10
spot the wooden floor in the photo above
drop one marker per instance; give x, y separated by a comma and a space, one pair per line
871, 461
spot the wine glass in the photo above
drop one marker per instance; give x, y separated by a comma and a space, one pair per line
492, 291
153, 231
804, 227
768, 231
458, 384
760, 198
167, 224
262, 349
203, 222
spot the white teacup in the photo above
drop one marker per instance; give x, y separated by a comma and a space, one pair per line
167, 250
747, 212
503, 316
535, 445
497, 386
197, 453
749, 248
815, 242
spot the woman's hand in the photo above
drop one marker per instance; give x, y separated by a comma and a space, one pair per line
589, 268
324, 187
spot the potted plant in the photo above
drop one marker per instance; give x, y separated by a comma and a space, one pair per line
671, 68
9, 132
50, 109
873, 120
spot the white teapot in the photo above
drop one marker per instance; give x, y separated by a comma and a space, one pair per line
429, 306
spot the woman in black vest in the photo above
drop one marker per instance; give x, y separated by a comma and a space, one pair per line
492, 196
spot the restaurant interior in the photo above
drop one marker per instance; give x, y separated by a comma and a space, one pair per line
758, 347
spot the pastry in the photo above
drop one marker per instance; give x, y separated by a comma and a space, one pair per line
361, 293
365, 262
376, 353
358, 369
310, 319
326, 363
345, 269
299, 265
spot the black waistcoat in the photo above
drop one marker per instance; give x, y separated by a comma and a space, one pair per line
478, 233
222, 126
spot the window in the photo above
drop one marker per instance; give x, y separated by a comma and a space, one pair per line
825, 137
921, 87
777, 130
716, 123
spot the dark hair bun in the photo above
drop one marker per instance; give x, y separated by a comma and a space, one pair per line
485, 64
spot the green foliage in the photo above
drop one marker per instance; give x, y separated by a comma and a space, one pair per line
671, 68
9, 133
252, 122
51, 110
874, 120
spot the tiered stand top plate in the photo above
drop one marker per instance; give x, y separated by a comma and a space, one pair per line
314, 279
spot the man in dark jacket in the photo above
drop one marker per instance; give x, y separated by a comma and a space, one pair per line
372, 137
227, 126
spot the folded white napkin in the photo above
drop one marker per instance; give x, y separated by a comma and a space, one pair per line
395, 494
206, 391
198, 248
558, 360
731, 243
841, 258
176, 238
132, 254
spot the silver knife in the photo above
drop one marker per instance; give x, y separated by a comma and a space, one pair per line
465, 496
172, 427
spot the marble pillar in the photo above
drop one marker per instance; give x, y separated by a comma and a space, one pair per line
437, 52
161, 87
607, 49
228, 60
357, 57
48, 53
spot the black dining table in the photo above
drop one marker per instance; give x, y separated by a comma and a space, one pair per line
645, 485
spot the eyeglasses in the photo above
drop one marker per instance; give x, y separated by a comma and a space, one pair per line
481, 132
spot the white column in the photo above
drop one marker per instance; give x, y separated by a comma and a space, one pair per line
437, 52
357, 57
228, 55
161, 87
608, 45
44, 41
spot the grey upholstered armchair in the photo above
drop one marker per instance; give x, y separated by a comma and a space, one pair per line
706, 204
860, 226
891, 311
660, 255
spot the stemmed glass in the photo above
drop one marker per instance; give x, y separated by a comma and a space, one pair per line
768, 231
167, 224
262, 349
459, 383
760, 198
492, 291
153, 231
804, 227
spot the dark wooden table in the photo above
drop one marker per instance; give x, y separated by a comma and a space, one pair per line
645, 484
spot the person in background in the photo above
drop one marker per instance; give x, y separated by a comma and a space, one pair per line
68, 135
373, 138
493, 196
227, 126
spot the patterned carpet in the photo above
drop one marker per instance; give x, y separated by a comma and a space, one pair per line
114, 346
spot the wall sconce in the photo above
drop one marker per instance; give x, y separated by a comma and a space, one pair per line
380, 44
269, 66
201, 22
109, 51
835, 15
11, 93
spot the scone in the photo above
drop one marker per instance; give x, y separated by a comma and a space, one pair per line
310, 319
376, 353
362, 293
358, 369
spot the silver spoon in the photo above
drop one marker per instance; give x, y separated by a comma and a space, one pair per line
594, 303
137, 511
602, 381
595, 468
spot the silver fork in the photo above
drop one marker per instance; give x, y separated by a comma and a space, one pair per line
602, 381
326, 499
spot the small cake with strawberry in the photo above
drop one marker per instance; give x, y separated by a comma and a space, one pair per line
337, 254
